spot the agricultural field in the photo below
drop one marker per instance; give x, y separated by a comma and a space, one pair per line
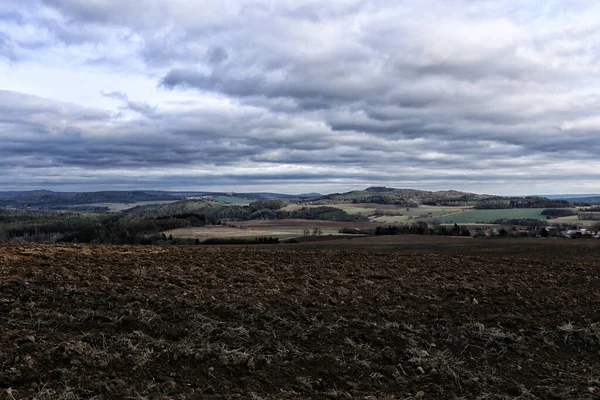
118, 207
367, 318
422, 212
301, 224
349, 208
219, 231
489, 216
395, 214
574, 220
282, 229
229, 200
355, 210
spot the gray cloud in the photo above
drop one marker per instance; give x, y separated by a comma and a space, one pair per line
216, 55
115, 95
466, 94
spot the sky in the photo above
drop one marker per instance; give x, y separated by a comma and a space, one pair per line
300, 96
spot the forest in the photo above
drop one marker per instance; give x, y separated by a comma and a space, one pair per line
144, 224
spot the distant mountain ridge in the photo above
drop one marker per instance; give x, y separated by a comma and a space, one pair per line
24, 193
570, 195
577, 198
44, 199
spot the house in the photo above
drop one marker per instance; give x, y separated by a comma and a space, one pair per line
497, 232
577, 233
572, 233
476, 232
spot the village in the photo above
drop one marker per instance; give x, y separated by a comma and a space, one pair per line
542, 232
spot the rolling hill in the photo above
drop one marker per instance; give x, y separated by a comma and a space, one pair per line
46, 199
405, 197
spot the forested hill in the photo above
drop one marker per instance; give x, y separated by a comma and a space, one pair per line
46, 199
43, 199
414, 198
406, 197
261, 209
521, 202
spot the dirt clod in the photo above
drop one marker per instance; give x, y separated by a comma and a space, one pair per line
170, 386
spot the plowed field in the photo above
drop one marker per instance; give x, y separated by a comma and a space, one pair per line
277, 322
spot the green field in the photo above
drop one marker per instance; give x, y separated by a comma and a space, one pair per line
118, 207
355, 210
415, 213
489, 216
229, 200
348, 209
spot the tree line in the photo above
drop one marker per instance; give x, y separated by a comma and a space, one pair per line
521, 202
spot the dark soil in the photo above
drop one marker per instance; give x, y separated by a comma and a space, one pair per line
301, 321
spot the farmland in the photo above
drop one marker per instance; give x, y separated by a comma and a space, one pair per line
218, 231
574, 220
393, 213
355, 210
304, 224
118, 207
349, 208
402, 215
229, 200
282, 229
390, 317
449, 215
489, 216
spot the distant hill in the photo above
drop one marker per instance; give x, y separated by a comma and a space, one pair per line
448, 198
571, 196
577, 198
309, 195
25, 193
47, 199
586, 200
405, 197
212, 212
246, 195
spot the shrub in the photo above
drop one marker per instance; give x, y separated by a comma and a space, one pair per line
558, 212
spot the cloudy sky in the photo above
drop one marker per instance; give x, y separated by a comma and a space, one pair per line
300, 95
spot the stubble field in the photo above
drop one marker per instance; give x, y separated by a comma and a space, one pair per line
300, 321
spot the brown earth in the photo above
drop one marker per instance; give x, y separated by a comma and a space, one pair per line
339, 319
568, 252
309, 224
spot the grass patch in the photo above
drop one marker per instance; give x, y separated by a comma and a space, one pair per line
118, 207
404, 216
229, 200
489, 216
356, 210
